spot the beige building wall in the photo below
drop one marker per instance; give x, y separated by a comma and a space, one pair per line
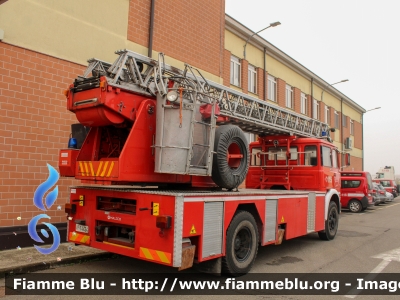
278, 69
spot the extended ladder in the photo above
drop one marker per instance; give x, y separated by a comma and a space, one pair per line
146, 76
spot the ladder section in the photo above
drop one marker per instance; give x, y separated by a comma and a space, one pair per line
143, 75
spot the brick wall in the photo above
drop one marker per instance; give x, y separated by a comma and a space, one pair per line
281, 92
296, 99
190, 31
355, 164
357, 134
346, 130
34, 125
332, 124
260, 83
226, 76
309, 105
244, 76
322, 111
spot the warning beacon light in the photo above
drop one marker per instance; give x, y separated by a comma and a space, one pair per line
72, 143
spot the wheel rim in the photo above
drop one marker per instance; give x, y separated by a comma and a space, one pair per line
354, 206
332, 221
242, 244
234, 156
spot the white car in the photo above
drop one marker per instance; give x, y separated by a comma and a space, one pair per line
389, 196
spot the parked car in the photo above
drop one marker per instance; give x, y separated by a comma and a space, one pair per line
382, 192
378, 197
356, 191
389, 196
389, 185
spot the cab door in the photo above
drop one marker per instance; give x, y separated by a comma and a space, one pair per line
329, 167
336, 170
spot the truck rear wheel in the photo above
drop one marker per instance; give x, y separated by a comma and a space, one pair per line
241, 244
331, 223
231, 160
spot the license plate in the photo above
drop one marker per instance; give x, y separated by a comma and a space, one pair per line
82, 228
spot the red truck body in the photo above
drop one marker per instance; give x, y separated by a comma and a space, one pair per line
187, 218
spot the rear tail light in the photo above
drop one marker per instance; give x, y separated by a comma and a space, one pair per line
163, 222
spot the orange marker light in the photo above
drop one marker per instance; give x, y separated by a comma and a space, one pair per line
163, 222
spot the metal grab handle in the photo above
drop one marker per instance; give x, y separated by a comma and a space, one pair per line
161, 60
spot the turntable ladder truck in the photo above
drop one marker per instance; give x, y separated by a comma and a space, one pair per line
163, 159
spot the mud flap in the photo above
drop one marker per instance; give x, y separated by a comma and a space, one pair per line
187, 257
279, 237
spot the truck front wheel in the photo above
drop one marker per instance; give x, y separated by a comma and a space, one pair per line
241, 244
331, 223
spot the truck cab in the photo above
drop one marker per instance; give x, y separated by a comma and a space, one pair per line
291, 163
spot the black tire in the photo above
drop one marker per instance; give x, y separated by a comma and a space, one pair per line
331, 224
355, 206
230, 173
241, 244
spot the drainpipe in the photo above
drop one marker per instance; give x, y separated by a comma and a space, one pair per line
150, 51
265, 71
312, 97
341, 129
362, 140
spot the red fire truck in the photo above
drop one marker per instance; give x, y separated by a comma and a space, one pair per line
163, 159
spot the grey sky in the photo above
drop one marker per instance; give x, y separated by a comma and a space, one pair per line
342, 39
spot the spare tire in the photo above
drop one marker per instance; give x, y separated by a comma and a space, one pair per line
231, 160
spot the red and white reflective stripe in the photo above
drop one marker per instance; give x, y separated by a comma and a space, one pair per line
355, 195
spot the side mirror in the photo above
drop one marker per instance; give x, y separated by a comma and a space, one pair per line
346, 159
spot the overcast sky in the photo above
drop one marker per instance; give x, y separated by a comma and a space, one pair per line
342, 39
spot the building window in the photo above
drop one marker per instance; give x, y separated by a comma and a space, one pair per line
336, 120
351, 127
252, 79
271, 88
235, 71
303, 104
316, 110
289, 96
327, 115
344, 120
